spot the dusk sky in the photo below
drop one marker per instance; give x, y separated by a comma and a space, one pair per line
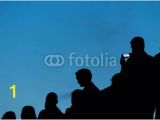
29, 31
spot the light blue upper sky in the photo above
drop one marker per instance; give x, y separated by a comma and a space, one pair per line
29, 31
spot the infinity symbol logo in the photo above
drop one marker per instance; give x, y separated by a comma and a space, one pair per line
54, 60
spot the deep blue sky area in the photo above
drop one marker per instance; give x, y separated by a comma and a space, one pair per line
29, 31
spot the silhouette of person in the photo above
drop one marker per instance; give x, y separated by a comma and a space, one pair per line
76, 109
9, 115
112, 98
28, 112
139, 70
157, 60
90, 93
51, 111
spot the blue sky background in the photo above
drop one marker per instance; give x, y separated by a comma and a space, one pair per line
29, 31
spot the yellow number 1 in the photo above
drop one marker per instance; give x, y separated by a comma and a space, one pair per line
13, 88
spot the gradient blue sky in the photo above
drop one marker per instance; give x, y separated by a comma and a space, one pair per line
29, 31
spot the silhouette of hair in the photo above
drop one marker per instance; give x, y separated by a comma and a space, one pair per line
84, 76
84, 72
137, 44
51, 100
28, 112
9, 115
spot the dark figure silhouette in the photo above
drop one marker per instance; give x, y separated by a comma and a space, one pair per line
90, 93
157, 58
157, 99
51, 111
76, 110
9, 115
28, 112
112, 98
139, 71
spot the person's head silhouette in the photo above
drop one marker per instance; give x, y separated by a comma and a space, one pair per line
28, 112
51, 100
84, 77
9, 115
137, 45
76, 97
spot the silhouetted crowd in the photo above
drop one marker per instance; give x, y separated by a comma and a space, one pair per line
133, 93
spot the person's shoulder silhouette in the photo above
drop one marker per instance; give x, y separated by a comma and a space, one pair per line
9, 115
157, 60
157, 57
28, 112
51, 110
